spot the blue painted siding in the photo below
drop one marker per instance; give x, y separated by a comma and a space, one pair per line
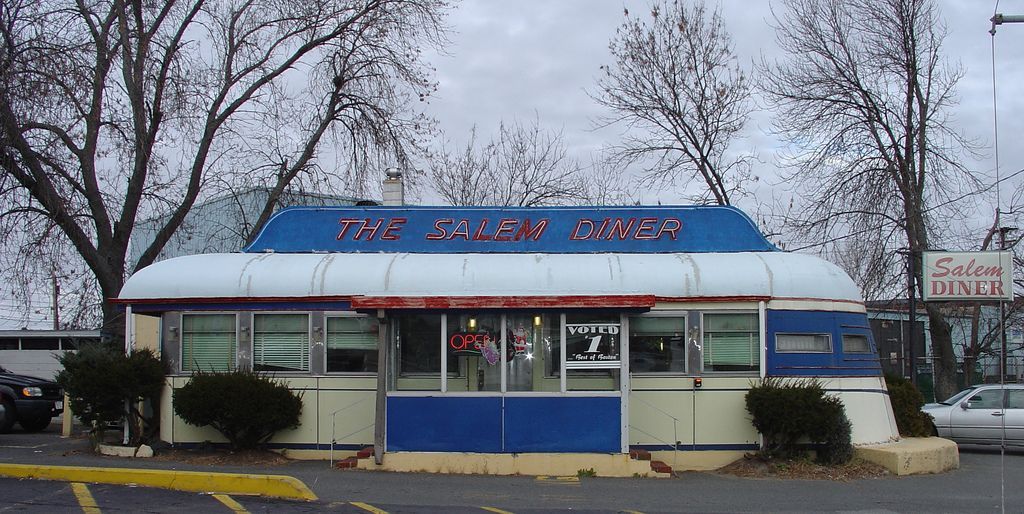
444, 424
504, 425
563, 424
836, 363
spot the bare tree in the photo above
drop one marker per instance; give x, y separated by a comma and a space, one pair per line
605, 184
524, 166
676, 85
863, 96
983, 336
111, 109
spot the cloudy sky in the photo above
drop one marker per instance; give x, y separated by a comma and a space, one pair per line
527, 58
518, 60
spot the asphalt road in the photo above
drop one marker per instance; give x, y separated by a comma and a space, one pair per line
983, 481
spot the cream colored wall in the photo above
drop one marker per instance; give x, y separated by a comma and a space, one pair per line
342, 408
173, 428
663, 410
347, 410
869, 410
332, 407
147, 332
721, 416
418, 384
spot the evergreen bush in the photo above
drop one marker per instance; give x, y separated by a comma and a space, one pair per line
105, 386
789, 412
247, 408
836, 448
906, 402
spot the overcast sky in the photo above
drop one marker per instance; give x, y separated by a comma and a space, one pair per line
529, 58
526, 58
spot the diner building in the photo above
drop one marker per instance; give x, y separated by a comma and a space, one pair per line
515, 333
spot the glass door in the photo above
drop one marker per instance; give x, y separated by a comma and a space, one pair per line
475, 342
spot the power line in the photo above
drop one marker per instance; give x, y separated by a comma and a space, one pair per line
904, 219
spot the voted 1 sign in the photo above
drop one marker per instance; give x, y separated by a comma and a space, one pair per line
592, 345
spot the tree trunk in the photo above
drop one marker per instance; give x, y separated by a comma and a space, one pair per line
113, 330
970, 361
944, 364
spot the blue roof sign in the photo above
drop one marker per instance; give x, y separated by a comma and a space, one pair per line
510, 230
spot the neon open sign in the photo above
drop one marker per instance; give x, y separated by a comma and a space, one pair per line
469, 343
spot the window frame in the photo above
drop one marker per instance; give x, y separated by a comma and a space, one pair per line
687, 365
1015, 392
867, 341
578, 374
979, 392
828, 341
182, 362
757, 333
327, 315
309, 341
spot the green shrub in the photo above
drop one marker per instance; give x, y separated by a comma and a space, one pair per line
836, 447
906, 403
100, 381
246, 407
787, 412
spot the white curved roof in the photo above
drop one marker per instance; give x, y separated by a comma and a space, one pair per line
692, 275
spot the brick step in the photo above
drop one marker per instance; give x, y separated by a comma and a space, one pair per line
660, 467
365, 453
349, 463
639, 454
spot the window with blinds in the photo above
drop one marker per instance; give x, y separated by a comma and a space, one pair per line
854, 343
352, 344
280, 342
208, 342
731, 342
803, 343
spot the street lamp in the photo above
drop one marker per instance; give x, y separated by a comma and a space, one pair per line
1000, 19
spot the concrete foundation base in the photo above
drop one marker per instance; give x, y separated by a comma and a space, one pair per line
707, 460
550, 464
913, 455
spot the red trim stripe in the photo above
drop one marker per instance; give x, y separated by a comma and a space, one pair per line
502, 302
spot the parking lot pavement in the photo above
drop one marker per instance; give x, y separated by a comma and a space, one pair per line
985, 481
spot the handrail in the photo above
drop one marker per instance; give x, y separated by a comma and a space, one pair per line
651, 405
334, 426
675, 429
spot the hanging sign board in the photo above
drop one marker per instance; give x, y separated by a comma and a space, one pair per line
592, 345
955, 276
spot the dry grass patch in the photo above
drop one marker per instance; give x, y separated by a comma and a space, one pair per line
753, 466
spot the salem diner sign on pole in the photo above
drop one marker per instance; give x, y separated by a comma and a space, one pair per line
952, 276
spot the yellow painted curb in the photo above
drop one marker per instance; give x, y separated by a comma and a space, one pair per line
277, 486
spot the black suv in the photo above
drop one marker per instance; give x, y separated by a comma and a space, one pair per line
35, 401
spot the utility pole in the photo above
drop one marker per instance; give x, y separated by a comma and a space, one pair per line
911, 311
1002, 313
913, 315
56, 293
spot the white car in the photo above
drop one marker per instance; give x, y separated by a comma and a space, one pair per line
980, 414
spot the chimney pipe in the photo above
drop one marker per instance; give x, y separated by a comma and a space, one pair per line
394, 190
